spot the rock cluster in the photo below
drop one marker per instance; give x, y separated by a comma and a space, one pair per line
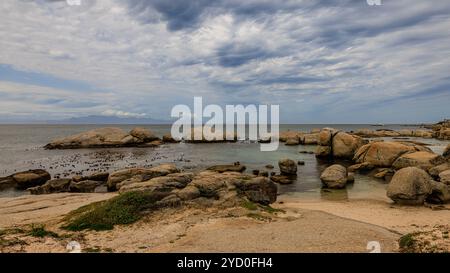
337, 144
106, 137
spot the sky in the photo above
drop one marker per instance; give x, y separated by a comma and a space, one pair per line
320, 61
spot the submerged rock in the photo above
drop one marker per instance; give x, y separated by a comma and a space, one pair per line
410, 186
334, 177
287, 166
227, 168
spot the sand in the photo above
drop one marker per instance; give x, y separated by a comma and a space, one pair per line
305, 226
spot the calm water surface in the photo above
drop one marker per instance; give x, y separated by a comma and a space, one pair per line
21, 149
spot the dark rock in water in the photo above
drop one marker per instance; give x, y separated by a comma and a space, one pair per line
255, 172
269, 166
227, 168
31, 178
283, 179
287, 166
264, 173
52, 186
350, 178
84, 186
272, 173
301, 163
6, 183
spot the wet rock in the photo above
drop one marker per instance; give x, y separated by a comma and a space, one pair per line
283, 179
334, 177
51, 186
384, 173
423, 160
84, 186
300, 162
410, 186
287, 166
366, 166
6, 183
264, 173
255, 172
31, 178
227, 168
350, 177
269, 166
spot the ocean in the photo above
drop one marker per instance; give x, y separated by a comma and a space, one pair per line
21, 148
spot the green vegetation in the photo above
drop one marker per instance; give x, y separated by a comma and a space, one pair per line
124, 209
254, 206
41, 232
407, 242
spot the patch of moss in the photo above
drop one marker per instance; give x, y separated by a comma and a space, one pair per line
124, 209
258, 216
41, 232
269, 209
407, 241
249, 205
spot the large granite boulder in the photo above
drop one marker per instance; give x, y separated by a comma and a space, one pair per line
31, 178
144, 174
161, 184
384, 154
345, 145
334, 177
259, 189
410, 186
423, 160
287, 166
334, 143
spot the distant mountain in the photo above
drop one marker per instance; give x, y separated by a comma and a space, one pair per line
109, 120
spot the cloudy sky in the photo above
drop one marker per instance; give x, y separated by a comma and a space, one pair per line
321, 61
